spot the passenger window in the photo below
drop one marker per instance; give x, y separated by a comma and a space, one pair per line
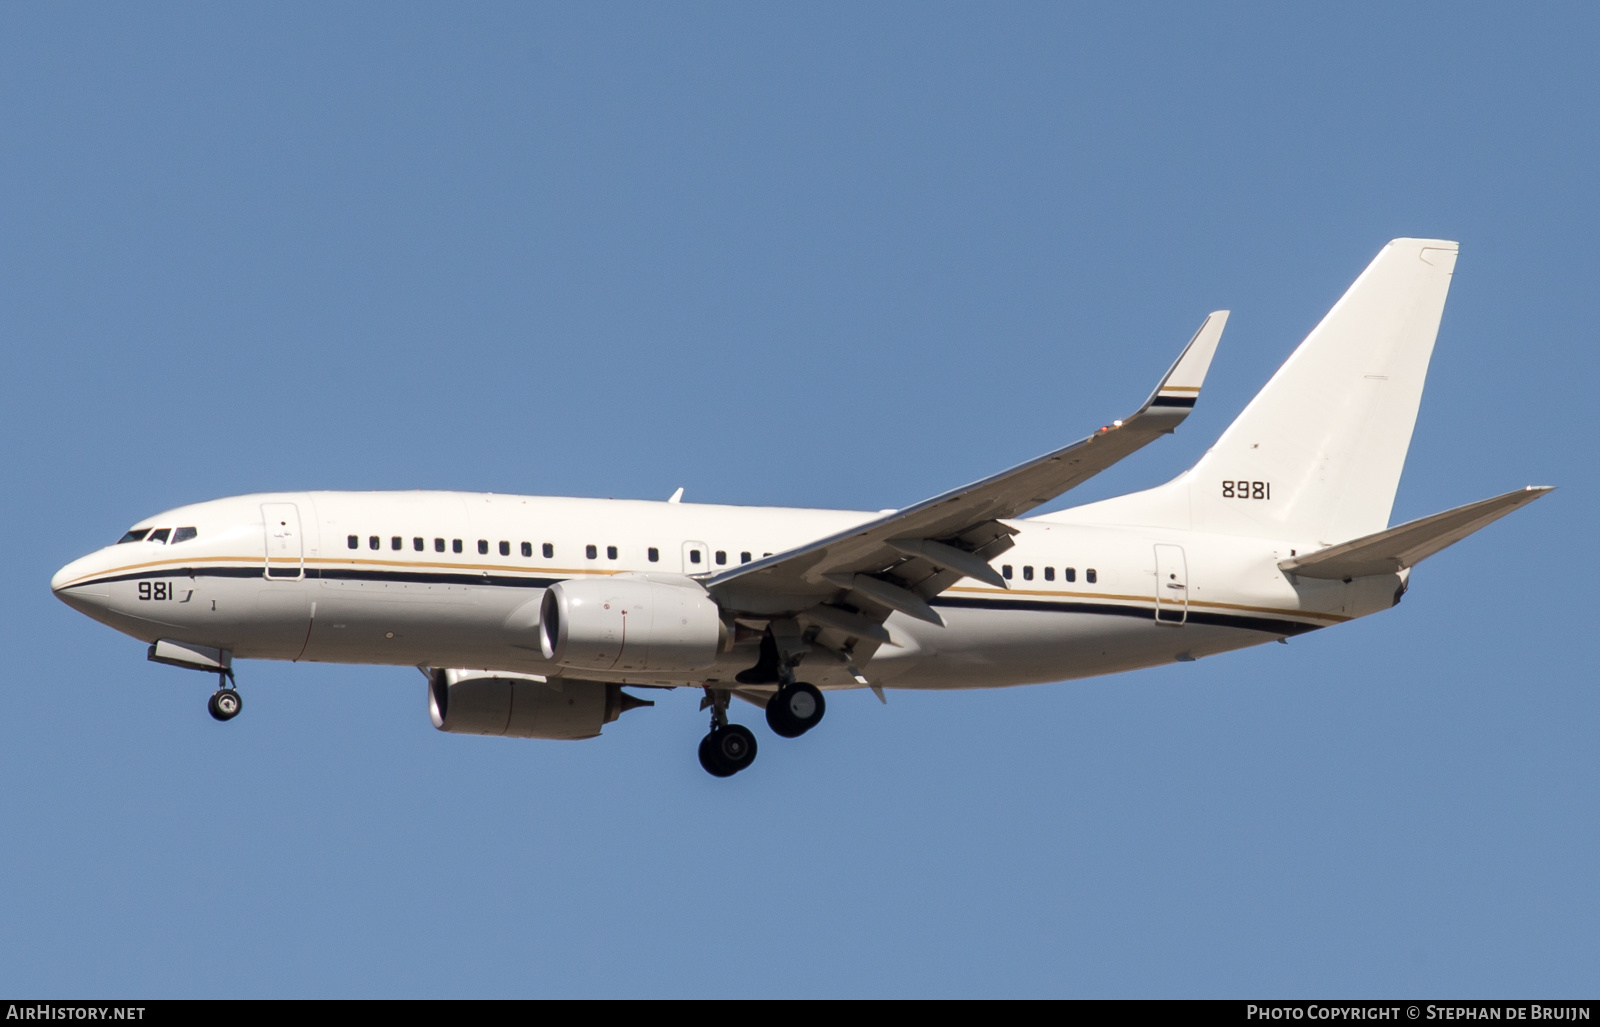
549, 550
1049, 574
722, 557
527, 549
1090, 576
183, 535
396, 542
591, 552
654, 554
483, 547
505, 548
355, 541
136, 535
694, 556
1005, 571
374, 542
1027, 572
1069, 574
419, 544
455, 545
744, 557
438, 545
765, 555
611, 552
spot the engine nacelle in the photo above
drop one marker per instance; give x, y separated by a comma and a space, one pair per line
477, 702
637, 623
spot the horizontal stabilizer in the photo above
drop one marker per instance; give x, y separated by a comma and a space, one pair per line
1395, 549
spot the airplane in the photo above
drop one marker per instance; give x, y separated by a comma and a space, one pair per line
529, 615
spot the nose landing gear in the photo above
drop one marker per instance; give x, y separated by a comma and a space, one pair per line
224, 703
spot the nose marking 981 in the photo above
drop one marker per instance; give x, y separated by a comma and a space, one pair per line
161, 591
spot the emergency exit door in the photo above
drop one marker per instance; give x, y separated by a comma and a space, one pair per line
1172, 585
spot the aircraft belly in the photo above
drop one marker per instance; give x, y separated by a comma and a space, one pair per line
425, 625
998, 648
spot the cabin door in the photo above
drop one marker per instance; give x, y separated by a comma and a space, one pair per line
1172, 585
285, 553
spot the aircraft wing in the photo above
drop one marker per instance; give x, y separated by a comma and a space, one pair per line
901, 559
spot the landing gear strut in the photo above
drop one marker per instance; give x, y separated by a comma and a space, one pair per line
728, 748
797, 707
224, 703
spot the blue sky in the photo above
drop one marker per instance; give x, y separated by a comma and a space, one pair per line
827, 255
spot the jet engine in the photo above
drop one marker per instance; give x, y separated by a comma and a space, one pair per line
627, 622
477, 702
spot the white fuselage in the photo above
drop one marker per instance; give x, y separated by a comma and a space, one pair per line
450, 579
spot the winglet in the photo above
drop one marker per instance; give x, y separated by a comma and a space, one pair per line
1181, 386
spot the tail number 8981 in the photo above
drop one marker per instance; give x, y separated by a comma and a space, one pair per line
1247, 490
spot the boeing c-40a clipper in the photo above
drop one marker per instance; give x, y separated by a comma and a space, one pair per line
530, 614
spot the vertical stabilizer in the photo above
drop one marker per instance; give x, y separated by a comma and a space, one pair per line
1317, 454
1329, 433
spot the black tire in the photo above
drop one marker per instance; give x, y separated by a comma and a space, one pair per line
795, 709
225, 704
734, 747
708, 759
779, 720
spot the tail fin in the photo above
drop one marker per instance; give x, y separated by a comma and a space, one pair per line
1327, 436
1317, 455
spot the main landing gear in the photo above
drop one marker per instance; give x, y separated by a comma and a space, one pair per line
224, 703
795, 709
728, 748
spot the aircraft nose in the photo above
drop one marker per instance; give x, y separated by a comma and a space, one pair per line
61, 582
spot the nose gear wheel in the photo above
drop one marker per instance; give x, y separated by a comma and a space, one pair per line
224, 704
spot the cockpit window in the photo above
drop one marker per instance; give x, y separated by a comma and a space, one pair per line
136, 535
183, 535
159, 535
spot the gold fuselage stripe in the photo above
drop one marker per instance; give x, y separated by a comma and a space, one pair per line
256, 561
